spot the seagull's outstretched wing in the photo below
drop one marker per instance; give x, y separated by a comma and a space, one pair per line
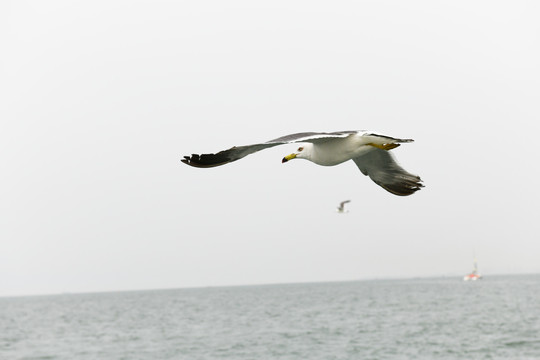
225, 156
238, 152
381, 167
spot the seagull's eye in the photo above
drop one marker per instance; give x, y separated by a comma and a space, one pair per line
300, 148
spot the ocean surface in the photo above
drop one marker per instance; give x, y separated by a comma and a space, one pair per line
440, 318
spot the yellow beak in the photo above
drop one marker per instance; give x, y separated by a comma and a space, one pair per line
288, 157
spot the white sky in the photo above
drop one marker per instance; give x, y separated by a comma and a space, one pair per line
101, 99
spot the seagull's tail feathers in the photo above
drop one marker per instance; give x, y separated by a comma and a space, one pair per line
382, 168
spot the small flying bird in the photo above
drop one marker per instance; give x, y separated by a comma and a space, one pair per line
368, 150
341, 208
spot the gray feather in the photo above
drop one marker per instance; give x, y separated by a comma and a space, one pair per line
382, 168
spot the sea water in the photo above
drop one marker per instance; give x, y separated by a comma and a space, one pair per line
444, 318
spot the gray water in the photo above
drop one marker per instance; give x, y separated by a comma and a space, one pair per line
495, 318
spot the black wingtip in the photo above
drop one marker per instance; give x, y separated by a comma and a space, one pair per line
404, 188
190, 160
204, 160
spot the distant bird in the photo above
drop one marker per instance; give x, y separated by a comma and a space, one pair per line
367, 149
341, 208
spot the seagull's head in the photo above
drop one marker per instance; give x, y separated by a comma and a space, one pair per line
303, 152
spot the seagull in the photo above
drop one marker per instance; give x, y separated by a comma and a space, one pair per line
369, 151
341, 207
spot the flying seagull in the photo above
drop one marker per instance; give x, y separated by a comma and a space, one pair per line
370, 152
341, 207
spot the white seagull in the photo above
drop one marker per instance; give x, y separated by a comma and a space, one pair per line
369, 151
341, 208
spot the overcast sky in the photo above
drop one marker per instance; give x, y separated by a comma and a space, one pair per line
101, 99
